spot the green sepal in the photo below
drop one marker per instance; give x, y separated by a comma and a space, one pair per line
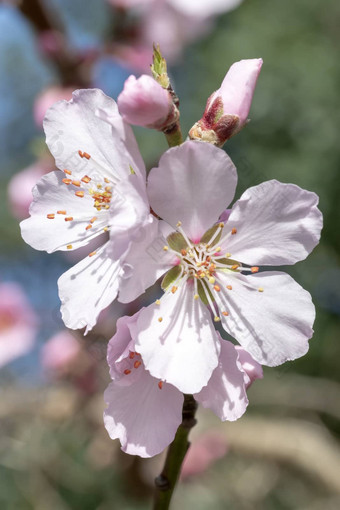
132, 172
210, 233
177, 242
201, 291
170, 277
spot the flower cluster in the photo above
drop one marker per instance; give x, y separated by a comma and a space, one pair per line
175, 224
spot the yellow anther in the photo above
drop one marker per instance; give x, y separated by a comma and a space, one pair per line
69, 246
235, 266
212, 279
218, 249
158, 301
217, 319
106, 229
233, 231
196, 296
178, 224
106, 180
221, 224
174, 288
165, 248
160, 319
229, 287
228, 255
51, 216
217, 288
261, 289
225, 314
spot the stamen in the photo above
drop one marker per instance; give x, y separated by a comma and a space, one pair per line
67, 181
217, 319
254, 269
174, 288
160, 385
260, 289
76, 183
229, 287
68, 172
92, 253
86, 179
127, 371
51, 216
196, 296
225, 314
79, 194
184, 252
92, 220
158, 302
69, 218
88, 227
137, 363
233, 231
235, 266
69, 246
132, 354
160, 319
217, 288
61, 212
165, 248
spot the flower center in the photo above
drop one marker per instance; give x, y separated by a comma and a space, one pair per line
204, 263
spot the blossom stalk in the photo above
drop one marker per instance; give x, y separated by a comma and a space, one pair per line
166, 481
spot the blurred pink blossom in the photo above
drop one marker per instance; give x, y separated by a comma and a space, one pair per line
20, 187
47, 98
60, 351
18, 323
203, 452
144, 102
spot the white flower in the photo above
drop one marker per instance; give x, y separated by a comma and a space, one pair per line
98, 192
216, 264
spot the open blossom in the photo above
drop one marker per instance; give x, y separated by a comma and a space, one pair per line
216, 264
227, 109
144, 412
18, 323
144, 102
99, 191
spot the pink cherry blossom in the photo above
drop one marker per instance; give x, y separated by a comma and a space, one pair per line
227, 109
144, 102
217, 266
144, 412
252, 369
99, 188
18, 323
21, 184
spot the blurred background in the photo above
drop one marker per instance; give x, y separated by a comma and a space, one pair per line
54, 451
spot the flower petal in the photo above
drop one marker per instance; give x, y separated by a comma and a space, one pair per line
89, 287
276, 224
225, 393
193, 184
145, 261
252, 370
143, 417
51, 195
177, 340
270, 315
90, 122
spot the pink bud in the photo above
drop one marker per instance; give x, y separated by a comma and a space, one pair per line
227, 109
238, 88
60, 351
251, 368
144, 102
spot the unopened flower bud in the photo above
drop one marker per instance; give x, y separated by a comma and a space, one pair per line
227, 109
144, 102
